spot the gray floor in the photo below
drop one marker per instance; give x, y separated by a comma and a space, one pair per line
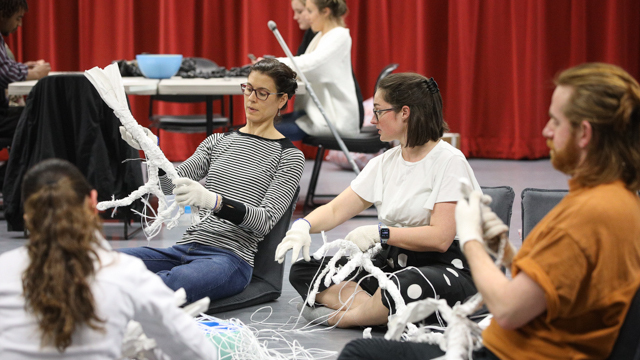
517, 174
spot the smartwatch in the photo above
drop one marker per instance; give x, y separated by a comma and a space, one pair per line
384, 234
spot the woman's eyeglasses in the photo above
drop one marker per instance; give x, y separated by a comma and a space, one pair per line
261, 94
378, 112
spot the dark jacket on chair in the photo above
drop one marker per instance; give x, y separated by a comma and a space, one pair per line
65, 118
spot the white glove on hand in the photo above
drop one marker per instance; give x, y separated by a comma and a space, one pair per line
364, 236
192, 193
297, 238
469, 218
126, 136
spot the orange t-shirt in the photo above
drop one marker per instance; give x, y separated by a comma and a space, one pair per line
585, 254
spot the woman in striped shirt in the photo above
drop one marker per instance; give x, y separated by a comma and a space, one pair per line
250, 179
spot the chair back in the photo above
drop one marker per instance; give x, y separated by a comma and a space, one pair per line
502, 201
359, 99
536, 203
266, 282
627, 345
384, 73
264, 266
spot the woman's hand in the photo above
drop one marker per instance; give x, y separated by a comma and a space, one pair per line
192, 193
364, 236
297, 238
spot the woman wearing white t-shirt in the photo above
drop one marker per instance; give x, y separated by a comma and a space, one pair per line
67, 295
326, 64
414, 187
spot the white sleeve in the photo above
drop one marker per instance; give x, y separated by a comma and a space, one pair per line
448, 181
333, 45
175, 332
368, 184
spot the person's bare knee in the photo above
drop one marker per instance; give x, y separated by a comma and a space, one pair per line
370, 312
337, 295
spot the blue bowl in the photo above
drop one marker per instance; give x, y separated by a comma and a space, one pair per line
158, 66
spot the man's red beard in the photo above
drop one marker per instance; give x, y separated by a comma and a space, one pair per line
566, 159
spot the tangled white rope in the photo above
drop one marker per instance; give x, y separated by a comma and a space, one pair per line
358, 259
461, 336
108, 83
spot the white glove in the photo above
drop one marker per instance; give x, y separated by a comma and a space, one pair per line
297, 238
126, 136
364, 236
192, 193
469, 218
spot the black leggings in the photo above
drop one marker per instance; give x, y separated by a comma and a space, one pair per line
381, 349
415, 283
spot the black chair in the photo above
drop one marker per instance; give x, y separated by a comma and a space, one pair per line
502, 201
367, 141
192, 123
266, 282
627, 345
536, 203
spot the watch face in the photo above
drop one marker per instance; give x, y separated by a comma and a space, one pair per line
384, 233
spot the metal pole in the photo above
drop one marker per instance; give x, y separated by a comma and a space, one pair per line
274, 28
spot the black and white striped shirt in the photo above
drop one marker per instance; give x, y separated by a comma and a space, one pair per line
256, 177
10, 71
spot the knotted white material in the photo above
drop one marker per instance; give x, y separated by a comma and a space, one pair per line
109, 84
461, 336
357, 259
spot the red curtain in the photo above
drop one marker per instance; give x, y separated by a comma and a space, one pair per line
494, 60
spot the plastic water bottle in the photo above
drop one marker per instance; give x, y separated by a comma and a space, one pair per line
185, 219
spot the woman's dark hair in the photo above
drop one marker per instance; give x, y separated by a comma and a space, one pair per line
422, 96
282, 75
338, 9
61, 249
9, 7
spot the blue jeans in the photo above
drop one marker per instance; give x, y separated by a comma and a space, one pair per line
288, 127
201, 270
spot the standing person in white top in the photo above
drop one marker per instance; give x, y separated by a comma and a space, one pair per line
326, 64
67, 295
414, 187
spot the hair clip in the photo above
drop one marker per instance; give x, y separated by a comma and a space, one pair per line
432, 85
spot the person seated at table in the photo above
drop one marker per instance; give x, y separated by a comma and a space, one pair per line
300, 15
67, 295
250, 178
576, 274
11, 14
414, 187
327, 66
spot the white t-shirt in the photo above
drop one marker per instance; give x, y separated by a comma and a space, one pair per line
327, 66
123, 290
406, 192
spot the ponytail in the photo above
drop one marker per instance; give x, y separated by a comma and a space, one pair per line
61, 248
